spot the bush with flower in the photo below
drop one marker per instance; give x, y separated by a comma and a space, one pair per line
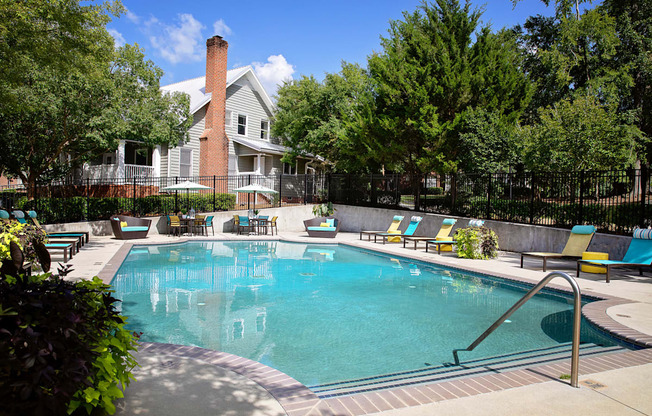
25, 235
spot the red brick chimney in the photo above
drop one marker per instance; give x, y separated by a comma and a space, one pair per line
214, 144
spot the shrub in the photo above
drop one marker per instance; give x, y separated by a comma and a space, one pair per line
435, 190
25, 235
476, 243
63, 345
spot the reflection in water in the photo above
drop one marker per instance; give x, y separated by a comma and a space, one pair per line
312, 310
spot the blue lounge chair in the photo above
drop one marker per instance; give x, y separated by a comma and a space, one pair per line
394, 237
639, 254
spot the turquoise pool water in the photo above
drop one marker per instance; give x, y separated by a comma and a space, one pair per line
323, 313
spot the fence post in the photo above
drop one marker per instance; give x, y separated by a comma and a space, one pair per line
372, 193
328, 184
214, 184
176, 197
134, 190
424, 208
488, 209
280, 190
580, 213
532, 200
248, 199
305, 188
88, 199
645, 176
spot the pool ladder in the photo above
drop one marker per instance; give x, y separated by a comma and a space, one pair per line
577, 316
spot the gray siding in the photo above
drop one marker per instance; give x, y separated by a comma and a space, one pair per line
241, 99
197, 128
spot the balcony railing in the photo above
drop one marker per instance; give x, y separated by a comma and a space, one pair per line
139, 172
112, 172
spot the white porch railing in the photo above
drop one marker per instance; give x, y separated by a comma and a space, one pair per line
109, 172
139, 172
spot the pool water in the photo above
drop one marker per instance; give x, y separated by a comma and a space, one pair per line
324, 313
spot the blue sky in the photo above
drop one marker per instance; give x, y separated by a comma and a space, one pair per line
279, 39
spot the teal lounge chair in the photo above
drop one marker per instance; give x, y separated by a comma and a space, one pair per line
19, 215
639, 254
394, 237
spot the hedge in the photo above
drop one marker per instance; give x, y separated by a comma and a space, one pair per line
74, 209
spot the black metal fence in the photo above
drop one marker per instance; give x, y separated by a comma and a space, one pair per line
614, 201
90, 200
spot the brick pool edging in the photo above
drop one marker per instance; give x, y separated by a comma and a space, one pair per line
298, 400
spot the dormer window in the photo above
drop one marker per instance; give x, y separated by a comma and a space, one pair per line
264, 129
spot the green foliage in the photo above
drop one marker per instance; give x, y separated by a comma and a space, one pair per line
81, 100
25, 235
580, 134
436, 190
476, 243
323, 210
325, 118
73, 209
430, 73
64, 346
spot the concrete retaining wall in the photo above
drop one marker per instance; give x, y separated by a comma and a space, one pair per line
289, 219
511, 236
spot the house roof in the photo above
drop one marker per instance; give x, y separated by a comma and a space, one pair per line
196, 87
261, 146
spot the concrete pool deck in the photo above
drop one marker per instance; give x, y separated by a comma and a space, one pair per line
197, 382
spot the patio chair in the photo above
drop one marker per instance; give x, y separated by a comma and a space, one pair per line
578, 242
244, 224
272, 225
442, 234
199, 223
392, 229
638, 255
176, 226
396, 238
4, 215
209, 223
263, 223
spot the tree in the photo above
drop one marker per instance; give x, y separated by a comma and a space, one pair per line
430, 74
580, 134
67, 95
325, 118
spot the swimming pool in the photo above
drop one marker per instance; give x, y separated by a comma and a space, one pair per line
324, 313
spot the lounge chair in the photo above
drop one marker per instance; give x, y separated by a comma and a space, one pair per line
392, 229
639, 254
396, 238
19, 216
4, 215
80, 238
325, 227
128, 228
577, 243
444, 232
448, 242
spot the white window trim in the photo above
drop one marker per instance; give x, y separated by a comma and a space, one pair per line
268, 128
237, 124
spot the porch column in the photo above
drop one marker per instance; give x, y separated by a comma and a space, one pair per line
156, 161
258, 167
120, 160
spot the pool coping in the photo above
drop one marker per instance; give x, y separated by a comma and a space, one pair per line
297, 399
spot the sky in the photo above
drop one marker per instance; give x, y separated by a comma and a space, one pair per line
280, 39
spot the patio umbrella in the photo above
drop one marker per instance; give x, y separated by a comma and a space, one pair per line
188, 186
255, 189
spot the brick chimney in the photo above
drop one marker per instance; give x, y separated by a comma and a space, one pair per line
214, 144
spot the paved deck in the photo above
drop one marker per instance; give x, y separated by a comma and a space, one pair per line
194, 381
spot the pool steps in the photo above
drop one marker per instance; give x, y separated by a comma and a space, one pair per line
448, 371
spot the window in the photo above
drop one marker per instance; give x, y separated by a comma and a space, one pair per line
228, 118
289, 169
242, 124
264, 129
185, 162
109, 158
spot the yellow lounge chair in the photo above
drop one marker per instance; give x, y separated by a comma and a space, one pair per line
578, 242
393, 228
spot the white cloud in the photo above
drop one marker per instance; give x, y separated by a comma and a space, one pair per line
220, 28
177, 43
133, 17
118, 39
273, 72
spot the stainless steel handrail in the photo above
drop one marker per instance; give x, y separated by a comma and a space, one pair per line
577, 316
